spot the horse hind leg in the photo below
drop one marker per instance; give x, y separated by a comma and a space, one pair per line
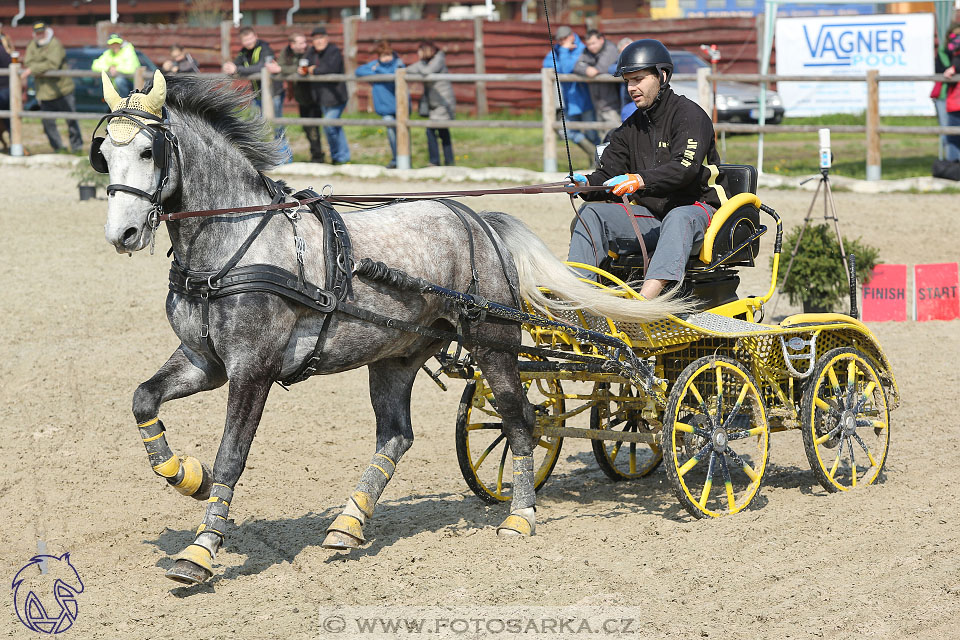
177, 378
391, 383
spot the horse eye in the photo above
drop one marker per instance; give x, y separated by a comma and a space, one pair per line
146, 154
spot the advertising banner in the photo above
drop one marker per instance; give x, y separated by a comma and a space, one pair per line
894, 44
885, 296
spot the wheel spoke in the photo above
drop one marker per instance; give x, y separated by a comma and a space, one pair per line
696, 394
484, 425
832, 375
633, 458
827, 435
853, 464
747, 469
719, 393
836, 462
546, 444
615, 450
691, 463
683, 426
826, 406
487, 451
851, 380
728, 484
503, 462
740, 435
863, 445
706, 486
736, 406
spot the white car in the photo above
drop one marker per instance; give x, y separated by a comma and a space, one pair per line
736, 101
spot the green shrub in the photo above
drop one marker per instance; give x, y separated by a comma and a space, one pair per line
84, 174
818, 275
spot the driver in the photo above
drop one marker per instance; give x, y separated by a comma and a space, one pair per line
663, 161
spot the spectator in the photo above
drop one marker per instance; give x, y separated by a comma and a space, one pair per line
437, 101
6, 48
293, 60
325, 58
951, 103
46, 53
384, 93
119, 61
576, 97
255, 54
627, 107
596, 60
180, 61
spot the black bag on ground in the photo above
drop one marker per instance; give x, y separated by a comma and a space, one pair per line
949, 169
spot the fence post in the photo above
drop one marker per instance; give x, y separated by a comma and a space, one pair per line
225, 27
351, 31
266, 95
704, 90
403, 116
873, 125
479, 65
138, 77
16, 108
547, 87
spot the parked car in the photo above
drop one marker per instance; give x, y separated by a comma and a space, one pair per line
88, 91
736, 101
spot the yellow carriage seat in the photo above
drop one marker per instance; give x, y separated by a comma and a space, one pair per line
732, 240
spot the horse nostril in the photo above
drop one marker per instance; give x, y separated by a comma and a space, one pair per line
129, 235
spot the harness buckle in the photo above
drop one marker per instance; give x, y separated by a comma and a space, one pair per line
204, 330
210, 284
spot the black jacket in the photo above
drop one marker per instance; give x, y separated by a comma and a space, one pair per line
330, 60
671, 146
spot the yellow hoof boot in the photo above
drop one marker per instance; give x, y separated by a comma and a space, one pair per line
515, 526
194, 565
346, 532
192, 476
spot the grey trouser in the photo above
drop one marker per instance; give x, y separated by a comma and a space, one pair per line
675, 238
63, 103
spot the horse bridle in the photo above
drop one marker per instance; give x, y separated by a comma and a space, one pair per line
165, 146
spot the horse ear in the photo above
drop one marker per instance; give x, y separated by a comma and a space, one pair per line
158, 94
110, 95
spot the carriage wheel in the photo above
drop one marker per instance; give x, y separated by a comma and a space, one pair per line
845, 420
715, 432
621, 411
483, 451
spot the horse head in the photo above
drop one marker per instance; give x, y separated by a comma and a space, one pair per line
136, 153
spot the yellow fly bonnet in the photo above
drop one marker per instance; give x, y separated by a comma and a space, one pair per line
122, 130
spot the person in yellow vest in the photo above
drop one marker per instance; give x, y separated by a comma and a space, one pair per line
119, 61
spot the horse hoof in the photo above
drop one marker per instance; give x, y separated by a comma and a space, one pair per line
340, 541
515, 526
186, 572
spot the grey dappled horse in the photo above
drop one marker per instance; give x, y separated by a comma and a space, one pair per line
257, 338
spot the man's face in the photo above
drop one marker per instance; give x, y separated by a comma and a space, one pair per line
643, 86
115, 47
320, 42
298, 45
570, 42
386, 58
177, 54
38, 34
248, 40
594, 44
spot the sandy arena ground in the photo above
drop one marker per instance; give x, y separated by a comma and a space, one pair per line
83, 326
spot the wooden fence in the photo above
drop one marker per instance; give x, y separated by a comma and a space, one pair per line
545, 81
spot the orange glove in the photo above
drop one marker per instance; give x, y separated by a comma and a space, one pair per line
625, 184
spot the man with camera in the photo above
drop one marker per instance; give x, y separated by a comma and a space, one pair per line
293, 60
664, 160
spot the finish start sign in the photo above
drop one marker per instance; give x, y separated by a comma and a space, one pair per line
885, 296
935, 291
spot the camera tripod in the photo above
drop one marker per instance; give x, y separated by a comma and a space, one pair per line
830, 214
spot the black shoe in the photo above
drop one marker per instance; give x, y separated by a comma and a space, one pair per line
392, 164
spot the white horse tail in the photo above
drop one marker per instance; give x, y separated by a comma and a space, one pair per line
537, 267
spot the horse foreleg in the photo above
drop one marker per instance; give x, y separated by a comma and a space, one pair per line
500, 370
180, 376
391, 383
244, 407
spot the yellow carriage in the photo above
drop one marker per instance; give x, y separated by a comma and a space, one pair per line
702, 392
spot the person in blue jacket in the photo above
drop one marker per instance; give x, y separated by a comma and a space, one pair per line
576, 96
384, 93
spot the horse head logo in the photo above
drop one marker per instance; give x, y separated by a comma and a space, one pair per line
47, 602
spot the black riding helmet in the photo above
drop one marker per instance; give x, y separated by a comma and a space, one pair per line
646, 54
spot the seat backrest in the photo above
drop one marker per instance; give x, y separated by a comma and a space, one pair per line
741, 178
